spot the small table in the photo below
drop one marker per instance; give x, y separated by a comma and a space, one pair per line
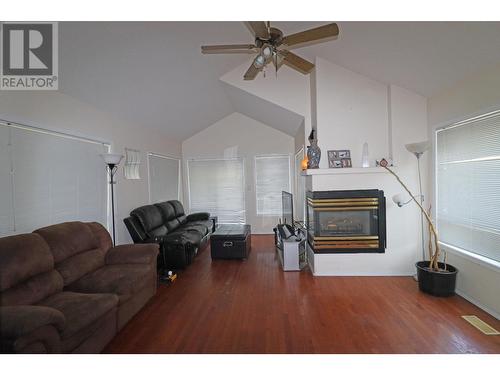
231, 241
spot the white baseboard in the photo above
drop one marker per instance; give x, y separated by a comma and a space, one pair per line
361, 274
492, 312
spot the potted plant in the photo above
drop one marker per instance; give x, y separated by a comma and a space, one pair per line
434, 277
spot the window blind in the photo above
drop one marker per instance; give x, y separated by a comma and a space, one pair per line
164, 175
468, 185
217, 187
272, 176
53, 178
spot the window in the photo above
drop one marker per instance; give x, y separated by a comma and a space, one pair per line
217, 187
272, 176
468, 185
48, 178
164, 178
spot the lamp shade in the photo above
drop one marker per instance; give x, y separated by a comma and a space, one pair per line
418, 148
112, 158
398, 199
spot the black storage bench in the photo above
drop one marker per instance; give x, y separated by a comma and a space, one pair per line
231, 241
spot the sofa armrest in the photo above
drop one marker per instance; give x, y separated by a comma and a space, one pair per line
198, 216
30, 328
133, 254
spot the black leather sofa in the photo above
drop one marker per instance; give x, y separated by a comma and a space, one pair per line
165, 223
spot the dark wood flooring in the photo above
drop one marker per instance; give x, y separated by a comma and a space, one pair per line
253, 306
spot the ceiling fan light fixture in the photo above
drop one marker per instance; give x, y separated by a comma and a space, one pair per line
259, 61
267, 52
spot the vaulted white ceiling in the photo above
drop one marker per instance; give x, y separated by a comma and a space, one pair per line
154, 75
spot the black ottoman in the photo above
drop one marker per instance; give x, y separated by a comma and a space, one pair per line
230, 241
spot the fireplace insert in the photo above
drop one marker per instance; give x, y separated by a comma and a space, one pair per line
346, 221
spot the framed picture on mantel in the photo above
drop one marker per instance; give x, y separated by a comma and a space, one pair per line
339, 159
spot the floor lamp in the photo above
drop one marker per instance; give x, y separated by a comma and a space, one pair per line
418, 150
112, 161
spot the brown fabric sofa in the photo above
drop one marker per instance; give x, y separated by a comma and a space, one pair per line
65, 289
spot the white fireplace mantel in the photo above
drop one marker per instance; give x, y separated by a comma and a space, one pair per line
338, 171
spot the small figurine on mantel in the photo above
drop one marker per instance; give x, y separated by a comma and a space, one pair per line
313, 152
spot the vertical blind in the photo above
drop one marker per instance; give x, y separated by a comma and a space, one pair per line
468, 185
48, 178
272, 176
217, 187
163, 178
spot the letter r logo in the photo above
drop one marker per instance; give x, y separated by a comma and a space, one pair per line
27, 49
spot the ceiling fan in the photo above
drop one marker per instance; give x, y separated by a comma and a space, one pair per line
272, 46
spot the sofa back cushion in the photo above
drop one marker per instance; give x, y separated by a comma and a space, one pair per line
168, 215
151, 220
78, 248
27, 270
178, 208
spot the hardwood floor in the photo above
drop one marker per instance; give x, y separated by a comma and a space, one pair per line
253, 306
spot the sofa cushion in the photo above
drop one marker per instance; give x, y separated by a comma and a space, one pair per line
198, 226
172, 225
73, 268
167, 211
121, 279
102, 234
68, 239
80, 310
178, 208
188, 236
22, 257
182, 219
149, 216
33, 290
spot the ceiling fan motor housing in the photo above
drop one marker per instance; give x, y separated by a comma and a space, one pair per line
275, 38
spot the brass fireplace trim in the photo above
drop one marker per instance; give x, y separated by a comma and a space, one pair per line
345, 238
345, 208
341, 245
340, 200
343, 204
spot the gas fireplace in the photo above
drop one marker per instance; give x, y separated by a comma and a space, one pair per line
346, 221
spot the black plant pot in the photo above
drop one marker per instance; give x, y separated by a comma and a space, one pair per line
437, 283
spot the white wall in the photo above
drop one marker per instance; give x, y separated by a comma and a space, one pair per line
351, 109
289, 89
242, 137
480, 93
59, 112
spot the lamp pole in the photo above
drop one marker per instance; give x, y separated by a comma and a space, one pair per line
418, 155
112, 161
112, 169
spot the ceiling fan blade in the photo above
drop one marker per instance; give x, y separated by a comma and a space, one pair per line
316, 35
229, 48
296, 62
258, 29
251, 73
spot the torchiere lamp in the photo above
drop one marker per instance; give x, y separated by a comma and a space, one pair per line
418, 150
112, 161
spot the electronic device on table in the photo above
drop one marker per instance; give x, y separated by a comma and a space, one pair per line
290, 239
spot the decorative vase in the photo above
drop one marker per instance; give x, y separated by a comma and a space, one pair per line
313, 152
